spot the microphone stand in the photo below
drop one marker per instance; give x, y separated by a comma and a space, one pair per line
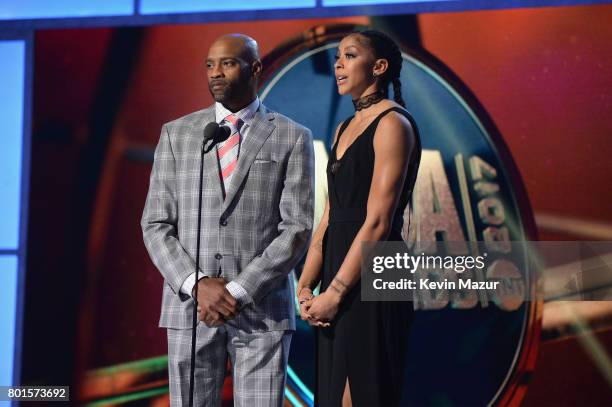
194, 319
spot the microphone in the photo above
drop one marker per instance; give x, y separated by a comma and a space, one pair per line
210, 131
224, 132
216, 133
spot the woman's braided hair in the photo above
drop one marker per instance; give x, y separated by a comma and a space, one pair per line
384, 47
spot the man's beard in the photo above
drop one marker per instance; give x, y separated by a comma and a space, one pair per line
231, 92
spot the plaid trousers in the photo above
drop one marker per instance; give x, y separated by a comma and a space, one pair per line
259, 365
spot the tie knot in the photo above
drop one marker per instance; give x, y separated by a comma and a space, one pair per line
232, 119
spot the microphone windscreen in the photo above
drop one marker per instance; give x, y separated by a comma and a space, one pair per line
210, 130
224, 132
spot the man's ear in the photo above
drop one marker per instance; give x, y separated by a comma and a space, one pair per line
256, 68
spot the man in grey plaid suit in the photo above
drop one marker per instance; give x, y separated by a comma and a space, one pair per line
257, 209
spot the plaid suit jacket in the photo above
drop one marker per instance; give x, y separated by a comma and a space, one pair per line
255, 236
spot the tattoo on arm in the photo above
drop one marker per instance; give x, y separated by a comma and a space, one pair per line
342, 283
339, 286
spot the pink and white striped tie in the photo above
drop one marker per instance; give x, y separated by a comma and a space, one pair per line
227, 152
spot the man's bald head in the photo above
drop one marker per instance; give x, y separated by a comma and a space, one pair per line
233, 69
243, 46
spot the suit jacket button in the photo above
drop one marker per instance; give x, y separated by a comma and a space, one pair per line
218, 256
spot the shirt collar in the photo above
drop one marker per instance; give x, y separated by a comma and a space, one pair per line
246, 114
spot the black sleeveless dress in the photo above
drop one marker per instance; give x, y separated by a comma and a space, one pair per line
366, 342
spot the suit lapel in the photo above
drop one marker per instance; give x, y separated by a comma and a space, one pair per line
211, 164
261, 127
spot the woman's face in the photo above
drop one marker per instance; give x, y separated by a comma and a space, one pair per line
353, 67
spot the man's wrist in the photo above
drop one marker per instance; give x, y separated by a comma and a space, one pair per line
193, 290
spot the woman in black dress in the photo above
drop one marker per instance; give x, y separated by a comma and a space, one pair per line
371, 173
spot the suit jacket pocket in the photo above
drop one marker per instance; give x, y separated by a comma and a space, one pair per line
263, 161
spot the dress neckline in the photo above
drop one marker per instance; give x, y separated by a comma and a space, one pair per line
335, 149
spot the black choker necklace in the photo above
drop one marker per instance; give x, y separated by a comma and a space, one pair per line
368, 100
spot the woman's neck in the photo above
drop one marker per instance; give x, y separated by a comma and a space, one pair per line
364, 104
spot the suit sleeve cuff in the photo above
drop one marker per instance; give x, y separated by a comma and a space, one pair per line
189, 283
239, 293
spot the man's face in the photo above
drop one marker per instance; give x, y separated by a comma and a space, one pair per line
229, 74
